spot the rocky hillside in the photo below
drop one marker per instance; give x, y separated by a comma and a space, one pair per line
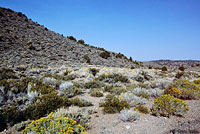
29, 44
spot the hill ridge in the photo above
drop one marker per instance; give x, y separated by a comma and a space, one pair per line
24, 42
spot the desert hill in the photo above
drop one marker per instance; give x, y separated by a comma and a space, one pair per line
27, 43
55, 84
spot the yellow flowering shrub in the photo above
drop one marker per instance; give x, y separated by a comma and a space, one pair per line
173, 92
54, 125
189, 90
166, 105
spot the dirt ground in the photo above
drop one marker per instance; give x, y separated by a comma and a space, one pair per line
148, 124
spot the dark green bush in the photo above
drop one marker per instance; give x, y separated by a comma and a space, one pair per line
104, 54
132, 67
93, 71
120, 78
108, 88
71, 38
143, 94
73, 91
164, 68
149, 67
81, 42
94, 84
181, 68
42, 88
20, 14
136, 62
67, 71
112, 104
96, 93
6, 73
119, 55
60, 77
47, 103
30, 46
17, 85
86, 58
12, 115
142, 109
130, 59
2, 121
5, 84
179, 75
102, 49
115, 77
80, 102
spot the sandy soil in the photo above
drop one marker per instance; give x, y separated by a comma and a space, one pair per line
148, 124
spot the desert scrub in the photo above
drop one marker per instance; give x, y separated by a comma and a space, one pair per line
113, 104
96, 93
173, 92
142, 109
117, 90
65, 85
141, 92
2, 121
164, 68
167, 105
119, 55
73, 91
71, 38
104, 54
132, 99
81, 116
20, 126
11, 116
45, 104
41, 87
6, 73
67, 71
113, 77
156, 92
94, 84
53, 125
108, 88
17, 85
179, 75
181, 68
129, 116
87, 59
5, 86
81, 42
80, 102
61, 77
189, 90
93, 71
197, 82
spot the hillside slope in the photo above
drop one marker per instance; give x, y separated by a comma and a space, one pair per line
27, 43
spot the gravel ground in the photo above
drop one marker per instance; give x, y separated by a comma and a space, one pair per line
148, 124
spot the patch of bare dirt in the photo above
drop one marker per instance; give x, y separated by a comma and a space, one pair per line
148, 124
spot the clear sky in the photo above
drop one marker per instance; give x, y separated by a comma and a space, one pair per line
143, 29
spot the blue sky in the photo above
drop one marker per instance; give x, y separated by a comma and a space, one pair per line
143, 29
